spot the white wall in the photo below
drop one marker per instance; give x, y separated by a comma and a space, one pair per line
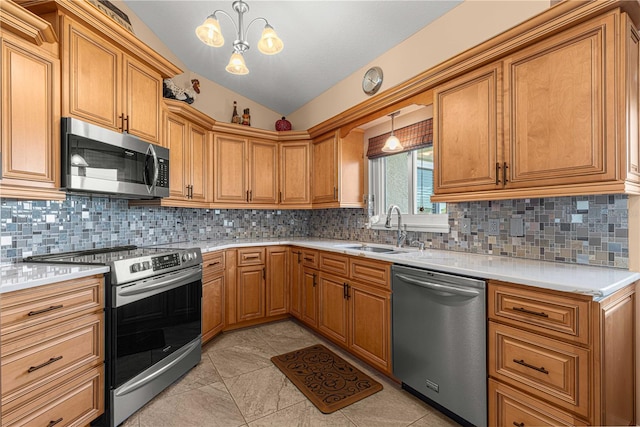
467, 25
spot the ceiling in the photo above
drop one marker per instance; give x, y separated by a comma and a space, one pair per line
324, 41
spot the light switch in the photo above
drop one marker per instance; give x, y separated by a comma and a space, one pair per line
465, 225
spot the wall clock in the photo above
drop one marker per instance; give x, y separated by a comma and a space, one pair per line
372, 80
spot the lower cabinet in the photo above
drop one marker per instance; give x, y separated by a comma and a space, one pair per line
309, 304
52, 353
558, 358
213, 272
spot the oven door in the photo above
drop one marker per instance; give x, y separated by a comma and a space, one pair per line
154, 338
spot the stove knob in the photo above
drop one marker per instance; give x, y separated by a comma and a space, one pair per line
135, 267
186, 257
146, 265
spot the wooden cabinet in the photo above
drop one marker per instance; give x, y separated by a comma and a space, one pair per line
338, 170
53, 353
246, 171
354, 311
213, 272
554, 357
542, 121
295, 174
104, 85
295, 282
257, 285
188, 135
30, 121
309, 304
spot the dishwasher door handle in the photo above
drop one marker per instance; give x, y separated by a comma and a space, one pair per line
439, 287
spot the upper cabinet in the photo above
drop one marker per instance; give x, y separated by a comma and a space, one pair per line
559, 117
338, 170
108, 87
295, 174
30, 121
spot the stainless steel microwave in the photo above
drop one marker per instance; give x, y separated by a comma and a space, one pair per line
99, 160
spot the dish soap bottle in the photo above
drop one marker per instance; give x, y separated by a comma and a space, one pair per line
235, 117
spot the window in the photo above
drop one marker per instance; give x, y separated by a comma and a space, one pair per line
406, 180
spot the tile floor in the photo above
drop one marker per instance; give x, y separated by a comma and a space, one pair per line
236, 384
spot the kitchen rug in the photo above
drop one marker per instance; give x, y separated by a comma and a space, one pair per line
328, 381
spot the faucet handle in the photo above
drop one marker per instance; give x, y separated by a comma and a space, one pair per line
417, 243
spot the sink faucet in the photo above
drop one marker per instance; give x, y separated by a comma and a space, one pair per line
402, 234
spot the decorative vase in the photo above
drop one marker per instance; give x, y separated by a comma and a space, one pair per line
246, 118
283, 124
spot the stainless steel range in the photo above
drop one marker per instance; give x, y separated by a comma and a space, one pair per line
153, 320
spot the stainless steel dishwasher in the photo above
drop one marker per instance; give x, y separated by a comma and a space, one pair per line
439, 339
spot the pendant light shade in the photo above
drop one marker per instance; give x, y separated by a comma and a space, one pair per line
270, 43
209, 32
392, 144
237, 65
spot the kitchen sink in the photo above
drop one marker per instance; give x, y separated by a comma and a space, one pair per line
366, 248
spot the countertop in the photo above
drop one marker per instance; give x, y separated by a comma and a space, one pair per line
577, 278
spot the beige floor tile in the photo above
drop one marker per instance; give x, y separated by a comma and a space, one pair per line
207, 406
132, 421
241, 359
204, 373
234, 338
389, 407
303, 414
263, 392
435, 419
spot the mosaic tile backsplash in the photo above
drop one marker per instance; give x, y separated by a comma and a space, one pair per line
586, 230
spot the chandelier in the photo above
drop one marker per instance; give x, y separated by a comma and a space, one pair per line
210, 34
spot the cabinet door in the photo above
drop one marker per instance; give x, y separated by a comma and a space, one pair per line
277, 295
251, 295
370, 322
142, 100
263, 170
295, 169
466, 136
230, 169
560, 106
325, 180
91, 83
198, 163
295, 285
332, 307
309, 306
212, 307
176, 140
30, 112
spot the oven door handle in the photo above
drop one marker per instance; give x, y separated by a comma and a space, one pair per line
184, 352
155, 286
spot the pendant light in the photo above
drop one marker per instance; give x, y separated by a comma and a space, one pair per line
211, 34
392, 144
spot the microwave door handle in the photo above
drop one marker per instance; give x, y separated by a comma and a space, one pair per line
151, 151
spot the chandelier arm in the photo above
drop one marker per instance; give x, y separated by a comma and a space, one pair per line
254, 20
213, 15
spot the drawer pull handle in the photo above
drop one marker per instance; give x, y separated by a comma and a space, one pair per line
535, 313
518, 424
523, 363
54, 422
308, 259
48, 362
252, 257
211, 264
53, 307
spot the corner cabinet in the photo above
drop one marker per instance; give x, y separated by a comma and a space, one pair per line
30, 122
558, 117
338, 171
295, 174
558, 358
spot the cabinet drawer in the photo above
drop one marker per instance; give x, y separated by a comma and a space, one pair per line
212, 263
74, 403
509, 407
549, 369
370, 272
250, 256
549, 313
334, 263
309, 258
31, 361
30, 310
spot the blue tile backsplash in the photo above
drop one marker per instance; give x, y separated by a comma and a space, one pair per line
587, 230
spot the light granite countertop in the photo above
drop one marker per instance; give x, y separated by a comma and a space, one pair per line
589, 280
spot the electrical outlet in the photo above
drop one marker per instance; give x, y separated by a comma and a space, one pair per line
494, 227
465, 225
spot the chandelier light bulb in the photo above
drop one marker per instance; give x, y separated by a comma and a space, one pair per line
237, 65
